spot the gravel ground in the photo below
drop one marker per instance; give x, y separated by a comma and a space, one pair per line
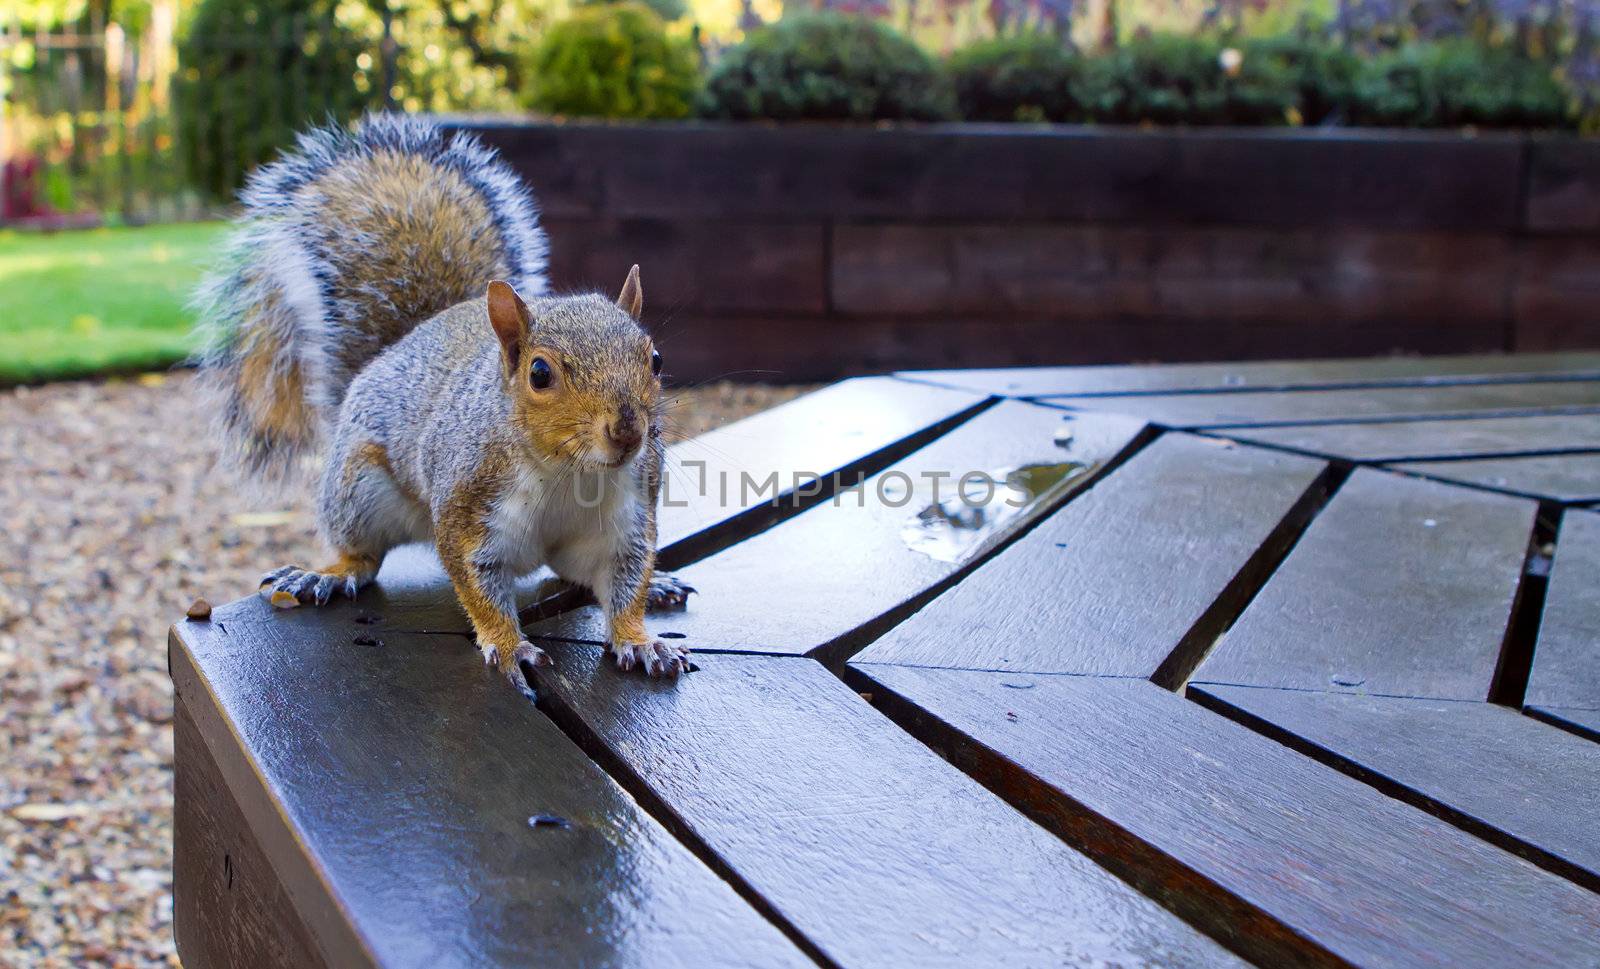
112, 520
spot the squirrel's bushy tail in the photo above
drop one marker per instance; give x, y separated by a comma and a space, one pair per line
346, 243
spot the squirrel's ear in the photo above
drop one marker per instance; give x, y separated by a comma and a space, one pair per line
631, 299
508, 314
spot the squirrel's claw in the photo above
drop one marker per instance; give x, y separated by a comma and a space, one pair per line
658, 658
511, 667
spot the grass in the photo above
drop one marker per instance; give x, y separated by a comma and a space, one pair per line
85, 302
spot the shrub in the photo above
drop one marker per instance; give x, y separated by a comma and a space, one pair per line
1322, 71
1023, 77
252, 73
613, 61
830, 67
1458, 82
1177, 79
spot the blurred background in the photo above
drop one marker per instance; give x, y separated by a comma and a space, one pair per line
813, 189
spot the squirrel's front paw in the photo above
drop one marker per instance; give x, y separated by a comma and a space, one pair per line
510, 662
291, 585
656, 657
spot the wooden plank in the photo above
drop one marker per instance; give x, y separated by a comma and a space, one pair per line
1425, 440
1584, 723
1250, 409
1093, 272
1139, 568
391, 787
1567, 478
1283, 859
1502, 776
836, 434
1566, 658
229, 909
867, 841
830, 579
1563, 193
1272, 375
1401, 587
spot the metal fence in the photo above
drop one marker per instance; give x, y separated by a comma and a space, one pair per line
94, 130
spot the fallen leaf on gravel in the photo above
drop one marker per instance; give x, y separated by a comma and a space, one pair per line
264, 519
51, 812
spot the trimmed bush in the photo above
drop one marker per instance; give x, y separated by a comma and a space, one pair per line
827, 67
1024, 77
252, 73
1178, 79
613, 61
1453, 83
1322, 71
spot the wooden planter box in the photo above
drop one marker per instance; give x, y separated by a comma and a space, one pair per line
811, 252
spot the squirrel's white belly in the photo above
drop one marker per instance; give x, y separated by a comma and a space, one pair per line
573, 523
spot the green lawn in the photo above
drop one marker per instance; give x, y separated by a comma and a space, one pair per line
77, 303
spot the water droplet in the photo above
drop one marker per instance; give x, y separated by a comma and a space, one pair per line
1017, 686
548, 821
1347, 679
1429, 522
1064, 435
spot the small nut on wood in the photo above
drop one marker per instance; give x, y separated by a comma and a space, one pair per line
199, 610
284, 600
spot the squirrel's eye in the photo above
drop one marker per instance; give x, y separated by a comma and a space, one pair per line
655, 362
539, 374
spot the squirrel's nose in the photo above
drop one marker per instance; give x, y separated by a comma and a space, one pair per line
624, 432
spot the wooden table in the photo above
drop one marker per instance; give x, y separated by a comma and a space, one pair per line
1290, 664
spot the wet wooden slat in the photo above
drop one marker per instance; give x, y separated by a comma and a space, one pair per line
855, 425
391, 786
1288, 861
1122, 577
1567, 478
831, 578
1566, 658
1274, 375
873, 846
1423, 440
1400, 586
1584, 723
1192, 411
1522, 784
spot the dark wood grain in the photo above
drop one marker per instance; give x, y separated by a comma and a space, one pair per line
837, 434
1275, 375
1124, 576
1400, 586
1566, 659
1424, 440
1563, 193
1567, 478
1284, 859
229, 910
829, 579
873, 846
1500, 775
391, 788
1251, 409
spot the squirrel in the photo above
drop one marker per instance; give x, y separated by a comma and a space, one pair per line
382, 305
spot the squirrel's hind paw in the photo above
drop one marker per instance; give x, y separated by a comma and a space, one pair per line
295, 585
667, 593
656, 657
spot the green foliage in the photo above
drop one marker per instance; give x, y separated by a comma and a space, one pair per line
1029, 76
668, 10
613, 61
827, 67
1458, 82
1182, 79
251, 73
1323, 71
77, 303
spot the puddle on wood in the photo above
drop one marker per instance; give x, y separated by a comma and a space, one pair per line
956, 528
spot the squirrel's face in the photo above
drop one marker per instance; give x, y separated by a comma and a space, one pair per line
584, 376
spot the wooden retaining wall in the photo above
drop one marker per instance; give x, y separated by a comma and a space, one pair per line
811, 252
